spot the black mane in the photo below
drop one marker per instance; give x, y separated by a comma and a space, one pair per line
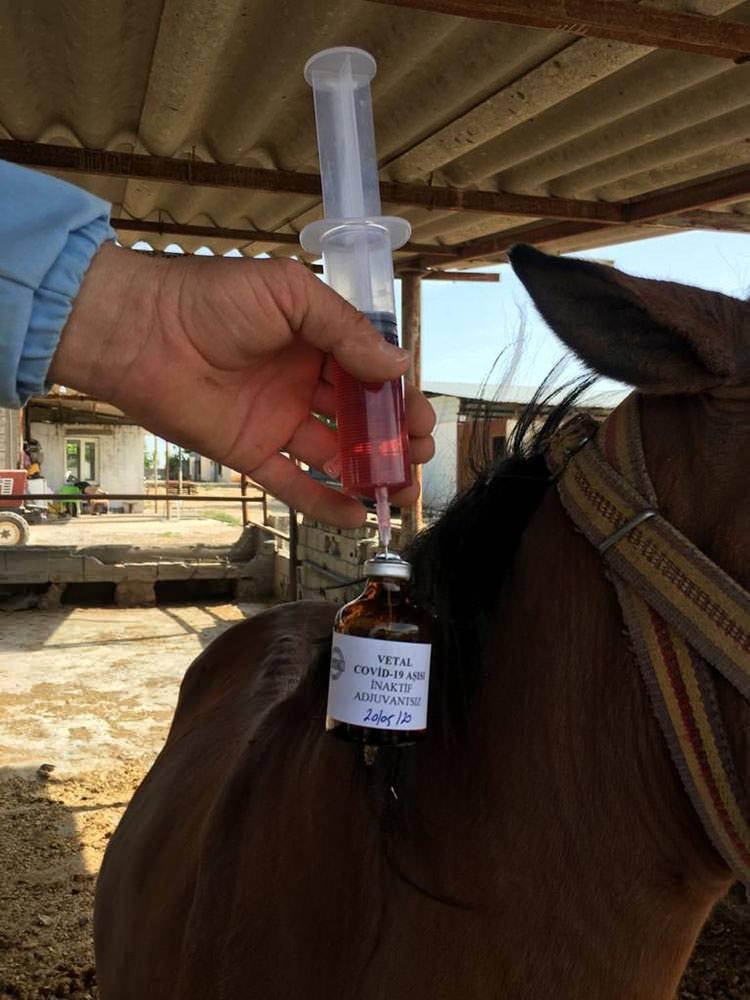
462, 561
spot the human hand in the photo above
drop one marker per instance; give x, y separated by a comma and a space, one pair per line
231, 358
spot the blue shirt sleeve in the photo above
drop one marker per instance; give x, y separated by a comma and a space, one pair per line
49, 233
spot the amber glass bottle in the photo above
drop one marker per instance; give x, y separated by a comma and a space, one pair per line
380, 661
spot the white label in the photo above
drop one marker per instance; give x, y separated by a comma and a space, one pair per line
378, 683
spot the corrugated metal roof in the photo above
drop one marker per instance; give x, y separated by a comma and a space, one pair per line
458, 102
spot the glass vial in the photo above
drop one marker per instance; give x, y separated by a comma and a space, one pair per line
380, 661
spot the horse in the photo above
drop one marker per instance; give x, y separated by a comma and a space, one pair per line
539, 842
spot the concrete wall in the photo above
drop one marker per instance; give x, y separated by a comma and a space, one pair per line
120, 455
208, 472
9, 439
439, 475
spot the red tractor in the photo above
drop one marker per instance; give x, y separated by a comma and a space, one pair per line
14, 516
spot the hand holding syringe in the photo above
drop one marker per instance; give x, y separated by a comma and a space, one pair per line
357, 243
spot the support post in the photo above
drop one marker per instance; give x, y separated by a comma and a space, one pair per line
166, 479
179, 482
156, 475
243, 491
293, 546
23, 434
412, 519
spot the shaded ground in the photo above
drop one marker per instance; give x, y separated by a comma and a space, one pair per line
86, 697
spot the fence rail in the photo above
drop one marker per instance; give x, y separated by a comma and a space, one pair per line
172, 497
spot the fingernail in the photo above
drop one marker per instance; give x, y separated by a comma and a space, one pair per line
332, 467
398, 353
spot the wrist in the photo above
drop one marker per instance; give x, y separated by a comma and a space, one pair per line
108, 324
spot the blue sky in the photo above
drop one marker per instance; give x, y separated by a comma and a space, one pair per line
465, 325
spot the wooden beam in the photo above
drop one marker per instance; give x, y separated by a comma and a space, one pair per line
479, 276
719, 222
459, 276
651, 210
199, 173
412, 518
212, 232
620, 20
734, 185
495, 246
245, 236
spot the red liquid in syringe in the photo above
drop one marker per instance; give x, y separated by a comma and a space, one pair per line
373, 436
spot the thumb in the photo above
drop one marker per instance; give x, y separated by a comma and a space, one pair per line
330, 323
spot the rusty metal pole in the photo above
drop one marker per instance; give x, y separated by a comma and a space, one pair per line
243, 491
293, 547
412, 519
166, 478
156, 475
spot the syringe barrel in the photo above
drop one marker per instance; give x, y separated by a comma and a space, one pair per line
373, 436
357, 246
340, 79
359, 265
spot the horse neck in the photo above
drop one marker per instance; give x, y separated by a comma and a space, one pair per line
576, 833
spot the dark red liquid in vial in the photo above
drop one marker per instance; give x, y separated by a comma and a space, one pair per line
372, 427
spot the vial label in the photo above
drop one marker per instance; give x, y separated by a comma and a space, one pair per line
379, 684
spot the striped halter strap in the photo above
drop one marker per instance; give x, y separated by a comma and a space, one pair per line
686, 617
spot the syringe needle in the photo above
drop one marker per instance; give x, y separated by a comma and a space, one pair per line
383, 512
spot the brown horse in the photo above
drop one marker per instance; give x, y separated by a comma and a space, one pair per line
539, 844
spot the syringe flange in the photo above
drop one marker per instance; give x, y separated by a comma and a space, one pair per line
312, 236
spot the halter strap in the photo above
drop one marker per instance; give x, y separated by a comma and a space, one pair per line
683, 612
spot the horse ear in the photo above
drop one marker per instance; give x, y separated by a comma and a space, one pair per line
656, 335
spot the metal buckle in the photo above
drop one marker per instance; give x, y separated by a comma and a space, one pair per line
615, 537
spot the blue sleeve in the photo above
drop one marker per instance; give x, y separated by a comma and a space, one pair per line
49, 233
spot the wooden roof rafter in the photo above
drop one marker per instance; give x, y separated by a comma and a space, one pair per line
619, 20
651, 210
200, 173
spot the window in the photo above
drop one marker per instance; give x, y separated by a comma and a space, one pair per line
82, 459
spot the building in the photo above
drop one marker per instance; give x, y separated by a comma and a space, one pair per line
459, 408
90, 440
205, 470
10, 439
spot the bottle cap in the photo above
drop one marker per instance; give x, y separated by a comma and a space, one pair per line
388, 564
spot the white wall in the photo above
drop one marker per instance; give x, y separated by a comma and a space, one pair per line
208, 476
439, 475
120, 455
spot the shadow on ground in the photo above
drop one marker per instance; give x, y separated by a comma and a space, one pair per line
54, 833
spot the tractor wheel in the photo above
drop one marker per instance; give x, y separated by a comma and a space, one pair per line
13, 529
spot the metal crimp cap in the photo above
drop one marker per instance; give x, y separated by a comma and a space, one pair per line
388, 564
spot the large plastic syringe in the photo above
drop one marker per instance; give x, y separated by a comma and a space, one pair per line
357, 244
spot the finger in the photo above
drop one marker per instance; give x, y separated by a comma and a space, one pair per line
331, 324
420, 416
421, 450
324, 400
314, 443
407, 496
282, 478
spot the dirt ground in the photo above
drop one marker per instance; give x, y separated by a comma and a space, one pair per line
204, 521
138, 529
86, 696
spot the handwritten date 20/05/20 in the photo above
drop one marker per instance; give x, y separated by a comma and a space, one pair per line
389, 720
